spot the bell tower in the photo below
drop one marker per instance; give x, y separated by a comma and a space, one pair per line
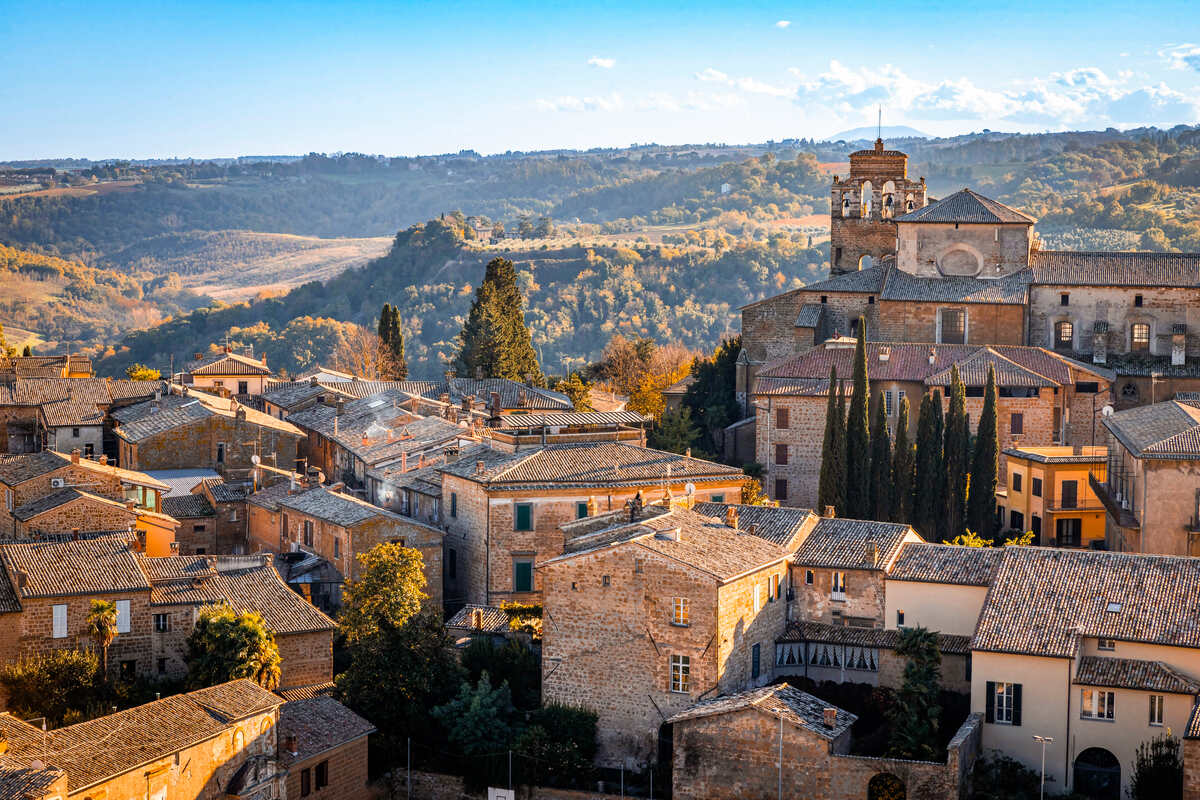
863, 208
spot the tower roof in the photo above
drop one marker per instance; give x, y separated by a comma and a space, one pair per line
968, 207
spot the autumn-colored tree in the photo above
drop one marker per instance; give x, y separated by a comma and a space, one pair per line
140, 372
363, 354
389, 590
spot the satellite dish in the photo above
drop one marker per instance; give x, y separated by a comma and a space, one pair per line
254, 459
1107, 411
690, 489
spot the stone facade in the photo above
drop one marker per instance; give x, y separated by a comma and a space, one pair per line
345, 766
863, 206
913, 321
221, 443
83, 513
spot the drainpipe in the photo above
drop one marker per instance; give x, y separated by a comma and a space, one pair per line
487, 551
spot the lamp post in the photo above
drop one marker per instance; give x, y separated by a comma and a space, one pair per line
1044, 741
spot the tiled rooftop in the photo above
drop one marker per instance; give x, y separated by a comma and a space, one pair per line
229, 364
878, 638
335, 507
967, 207
1081, 268
1133, 673
775, 524
490, 619
187, 506
319, 724
1060, 454
926, 562
307, 692
104, 565
1008, 290
142, 421
1169, 430
853, 544
1042, 600
573, 419
779, 701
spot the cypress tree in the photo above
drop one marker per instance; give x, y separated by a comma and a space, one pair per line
831, 489
881, 465
903, 467
981, 497
495, 341
840, 505
385, 323
955, 459
927, 499
392, 336
858, 434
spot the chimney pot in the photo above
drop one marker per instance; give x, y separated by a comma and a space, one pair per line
479, 467
830, 512
754, 529
75, 534
477, 619
731, 517
495, 404
103, 459
404, 462
341, 407
831, 718
197, 356
75, 456
932, 355
687, 453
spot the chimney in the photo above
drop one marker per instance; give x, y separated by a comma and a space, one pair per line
831, 718
873, 553
495, 404
366, 440
467, 403
404, 462
687, 453
421, 460
290, 744
753, 529
22, 578
522, 398
197, 356
444, 398
75, 534
885, 353
731, 517
592, 508
313, 381
830, 512
103, 459
131, 504
75, 456
932, 355
341, 407
226, 349
479, 467
477, 619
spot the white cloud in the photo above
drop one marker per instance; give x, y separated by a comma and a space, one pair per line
602, 63
569, 102
1183, 56
783, 23
692, 101
710, 74
749, 85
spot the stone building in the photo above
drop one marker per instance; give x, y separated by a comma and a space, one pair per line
502, 510
323, 747
197, 532
219, 742
1151, 484
62, 413
1049, 493
679, 604
227, 374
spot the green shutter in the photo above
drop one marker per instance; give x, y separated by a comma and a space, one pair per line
524, 521
523, 576
580, 510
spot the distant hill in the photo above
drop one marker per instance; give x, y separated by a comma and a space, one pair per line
870, 133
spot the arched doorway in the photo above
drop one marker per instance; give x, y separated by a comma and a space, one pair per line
1098, 774
886, 786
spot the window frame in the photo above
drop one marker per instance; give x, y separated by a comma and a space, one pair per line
781, 489
57, 611
1136, 343
1157, 702
1005, 703
959, 314
1059, 327
755, 661
124, 617
783, 419
1097, 704
1035, 486
1016, 423
321, 775
781, 454
518, 565
680, 674
162, 623
454, 505
309, 533
837, 585
1017, 481
581, 510
527, 509
681, 612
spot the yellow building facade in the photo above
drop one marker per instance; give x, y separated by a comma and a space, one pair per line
1048, 493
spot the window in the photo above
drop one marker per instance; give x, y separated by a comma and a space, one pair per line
639, 564
199, 528
1003, 703
680, 612
952, 326
871, 300
337, 547
781, 488
1064, 335
201, 551
220, 452
1064, 299
1016, 481
1016, 424
606, 580
305, 782
1070, 494
1106, 644
1035, 525
1087, 387
717, 498
1016, 520
523, 576
755, 661
74, 433
452, 563
899, 618
1139, 337
681, 667
1069, 532
825, 297
781, 418
580, 510
772, 588
1137, 300
781, 454
1156, 709
89, 450
322, 774
1096, 704
59, 630
454, 504
162, 623
1036, 488
308, 533
808, 576
243, 387
523, 517
1113, 608
837, 588
122, 616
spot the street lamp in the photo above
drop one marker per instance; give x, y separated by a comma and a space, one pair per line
1044, 740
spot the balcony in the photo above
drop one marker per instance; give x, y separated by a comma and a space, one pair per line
1121, 516
1053, 503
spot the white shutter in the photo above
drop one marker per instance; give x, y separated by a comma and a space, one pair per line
122, 616
60, 621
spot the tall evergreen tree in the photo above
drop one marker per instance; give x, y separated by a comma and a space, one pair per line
881, 465
903, 468
840, 506
832, 487
495, 342
392, 336
858, 434
955, 459
985, 466
927, 500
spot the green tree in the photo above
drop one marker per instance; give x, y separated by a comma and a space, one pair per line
576, 388
831, 490
58, 685
674, 432
904, 459
712, 395
27, 352
102, 627
1157, 770
927, 499
914, 718
495, 342
478, 724
511, 663
881, 465
955, 459
985, 466
226, 645
858, 434
389, 591
392, 336
560, 741
140, 372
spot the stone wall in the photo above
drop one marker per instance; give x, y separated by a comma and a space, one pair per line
347, 771
910, 321
84, 513
195, 446
1191, 769
37, 629
932, 250
436, 786
1115, 306
814, 601
307, 658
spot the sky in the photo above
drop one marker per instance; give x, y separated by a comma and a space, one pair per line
218, 78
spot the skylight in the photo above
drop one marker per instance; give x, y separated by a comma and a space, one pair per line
374, 404
1113, 608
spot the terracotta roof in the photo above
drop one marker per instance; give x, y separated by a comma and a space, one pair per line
104, 565
879, 638
491, 619
1193, 725
319, 725
58, 499
1083, 268
585, 465
289, 394
1008, 290
967, 207
16, 469
307, 692
187, 506
780, 700
20, 778
926, 562
378, 428
9, 602
146, 420
229, 364
853, 544
1090, 455
775, 524
511, 394
973, 371
573, 419
335, 507
45, 366
1133, 673
1169, 430
792, 387
100, 749
1043, 599
181, 481
246, 583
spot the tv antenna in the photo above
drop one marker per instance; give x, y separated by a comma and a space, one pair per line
879, 124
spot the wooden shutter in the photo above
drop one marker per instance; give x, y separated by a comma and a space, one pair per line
1016, 704
990, 702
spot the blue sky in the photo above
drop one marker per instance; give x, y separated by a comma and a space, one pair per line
233, 78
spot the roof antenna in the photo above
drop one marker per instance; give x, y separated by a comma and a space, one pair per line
879, 124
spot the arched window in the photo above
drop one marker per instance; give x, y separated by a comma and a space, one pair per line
1139, 338
909, 205
1064, 335
889, 199
239, 740
868, 196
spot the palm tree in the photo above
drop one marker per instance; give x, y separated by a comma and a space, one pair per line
102, 627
